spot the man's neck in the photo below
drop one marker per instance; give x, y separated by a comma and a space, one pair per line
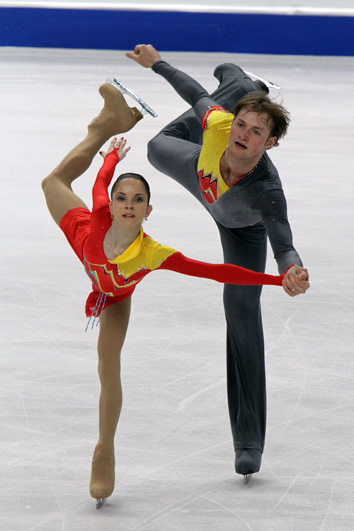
234, 170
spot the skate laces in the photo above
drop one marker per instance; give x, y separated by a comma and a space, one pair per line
101, 300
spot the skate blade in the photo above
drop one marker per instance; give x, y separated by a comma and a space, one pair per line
124, 90
268, 84
247, 478
100, 503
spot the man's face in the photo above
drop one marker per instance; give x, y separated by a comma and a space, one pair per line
250, 136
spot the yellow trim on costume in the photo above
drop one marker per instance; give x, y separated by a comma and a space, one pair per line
142, 254
215, 140
152, 254
132, 251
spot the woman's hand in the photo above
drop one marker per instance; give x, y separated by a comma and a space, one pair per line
144, 54
296, 281
118, 146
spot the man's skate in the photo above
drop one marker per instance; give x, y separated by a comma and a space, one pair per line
247, 478
268, 84
247, 462
124, 90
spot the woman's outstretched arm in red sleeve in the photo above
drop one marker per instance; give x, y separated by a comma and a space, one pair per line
225, 273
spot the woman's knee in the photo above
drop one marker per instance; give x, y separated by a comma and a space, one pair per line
113, 328
53, 184
46, 183
108, 367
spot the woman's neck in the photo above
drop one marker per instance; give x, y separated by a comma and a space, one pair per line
118, 239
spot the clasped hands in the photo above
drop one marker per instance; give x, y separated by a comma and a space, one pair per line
296, 281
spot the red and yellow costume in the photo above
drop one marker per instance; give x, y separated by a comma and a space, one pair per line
216, 125
115, 280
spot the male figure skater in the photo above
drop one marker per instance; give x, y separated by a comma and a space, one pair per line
218, 151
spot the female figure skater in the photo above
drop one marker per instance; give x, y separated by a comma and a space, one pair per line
116, 254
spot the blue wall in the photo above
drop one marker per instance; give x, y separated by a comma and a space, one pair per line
177, 31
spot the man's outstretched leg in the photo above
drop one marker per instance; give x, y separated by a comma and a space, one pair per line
234, 83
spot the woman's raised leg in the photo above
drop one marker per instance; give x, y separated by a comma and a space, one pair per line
113, 327
115, 118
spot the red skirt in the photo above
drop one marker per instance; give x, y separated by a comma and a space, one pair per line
76, 226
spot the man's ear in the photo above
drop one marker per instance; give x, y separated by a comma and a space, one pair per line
270, 142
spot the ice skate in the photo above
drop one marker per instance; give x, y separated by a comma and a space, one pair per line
247, 478
247, 462
125, 90
268, 84
102, 475
116, 116
100, 503
227, 74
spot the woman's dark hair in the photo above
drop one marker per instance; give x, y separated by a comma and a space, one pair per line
136, 176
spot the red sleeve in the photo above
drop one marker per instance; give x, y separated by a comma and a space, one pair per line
209, 111
103, 180
225, 273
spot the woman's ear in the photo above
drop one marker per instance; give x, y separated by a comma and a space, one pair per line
148, 211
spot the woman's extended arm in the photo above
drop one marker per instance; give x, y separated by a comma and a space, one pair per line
225, 273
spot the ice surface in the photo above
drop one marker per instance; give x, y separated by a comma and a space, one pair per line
174, 450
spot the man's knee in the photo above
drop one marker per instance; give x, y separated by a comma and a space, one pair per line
157, 154
153, 150
242, 301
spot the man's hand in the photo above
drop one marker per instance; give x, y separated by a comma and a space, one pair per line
296, 281
144, 54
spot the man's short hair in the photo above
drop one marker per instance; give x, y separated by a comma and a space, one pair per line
260, 103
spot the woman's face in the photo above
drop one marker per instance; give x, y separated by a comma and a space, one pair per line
129, 205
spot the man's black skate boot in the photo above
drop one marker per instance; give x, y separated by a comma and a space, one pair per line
247, 462
228, 71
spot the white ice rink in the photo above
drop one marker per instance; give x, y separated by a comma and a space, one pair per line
175, 462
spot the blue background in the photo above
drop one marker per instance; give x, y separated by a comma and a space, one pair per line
177, 31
